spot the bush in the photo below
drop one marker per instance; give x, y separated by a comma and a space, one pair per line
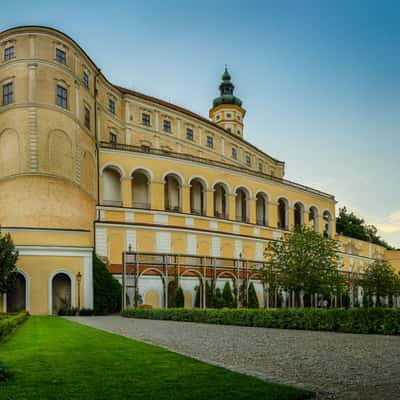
227, 296
67, 311
107, 290
253, 300
9, 322
179, 298
86, 312
384, 321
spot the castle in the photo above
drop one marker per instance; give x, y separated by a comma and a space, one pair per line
86, 165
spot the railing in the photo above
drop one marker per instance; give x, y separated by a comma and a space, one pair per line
173, 208
136, 204
261, 221
186, 156
197, 211
242, 218
112, 203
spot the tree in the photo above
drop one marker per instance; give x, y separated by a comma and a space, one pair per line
305, 262
172, 289
180, 298
253, 299
197, 296
210, 298
8, 263
380, 280
107, 290
218, 300
349, 224
228, 296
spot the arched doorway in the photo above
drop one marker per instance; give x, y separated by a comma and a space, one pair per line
16, 298
61, 292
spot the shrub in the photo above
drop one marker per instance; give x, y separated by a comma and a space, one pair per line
218, 299
9, 322
86, 311
253, 300
179, 298
71, 311
384, 321
228, 296
107, 290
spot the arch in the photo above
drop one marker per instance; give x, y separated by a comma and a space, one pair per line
283, 213
223, 183
298, 213
198, 196
17, 299
262, 208
113, 166
313, 215
327, 228
9, 152
88, 174
54, 303
173, 192
201, 179
140, 183
112, 191
60, 154
242, 201
232, 275
245, 188
146, 171
152, 297
180, 177
188, 285
221, 200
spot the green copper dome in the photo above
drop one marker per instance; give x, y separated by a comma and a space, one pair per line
226, 89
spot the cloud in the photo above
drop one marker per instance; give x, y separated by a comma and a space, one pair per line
393, 224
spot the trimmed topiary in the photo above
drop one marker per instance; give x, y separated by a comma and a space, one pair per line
179, 298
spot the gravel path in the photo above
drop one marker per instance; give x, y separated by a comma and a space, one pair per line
335, 365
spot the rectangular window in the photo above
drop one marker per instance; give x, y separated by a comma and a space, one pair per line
9, 53
113, 138
61, 56
87, 118
86, 79
146, 119
189, 134
228, 115
260, 167
62, 96
145, 148
248, 160
8, 94
210, 142
234, 153
111, 105
167, 125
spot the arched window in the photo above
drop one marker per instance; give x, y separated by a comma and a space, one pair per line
298, 214
172, 193
220, 201
242, 212
198, 197
16, 297
313, 218
62, 292
283, 209
261, 209
112, 187
140, 190
326, 216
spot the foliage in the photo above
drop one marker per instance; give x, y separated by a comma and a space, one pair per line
305, 262
86, 312
210, 297
253, 300
180, 298
9, 322
8, 261
67, 311
172, 289
228, 296
380, 280
218, 299
51, 358
107, 290
356, 320
349, 224
197, 296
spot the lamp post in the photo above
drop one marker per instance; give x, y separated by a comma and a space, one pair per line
78, 281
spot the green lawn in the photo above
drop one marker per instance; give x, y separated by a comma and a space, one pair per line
51, 358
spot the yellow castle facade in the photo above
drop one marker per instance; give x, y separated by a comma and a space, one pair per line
86, 165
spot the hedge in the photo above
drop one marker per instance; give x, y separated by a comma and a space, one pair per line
357, 320
8, 322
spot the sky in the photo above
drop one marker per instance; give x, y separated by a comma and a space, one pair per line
320, 80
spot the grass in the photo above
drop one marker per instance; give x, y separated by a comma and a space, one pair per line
51, 358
